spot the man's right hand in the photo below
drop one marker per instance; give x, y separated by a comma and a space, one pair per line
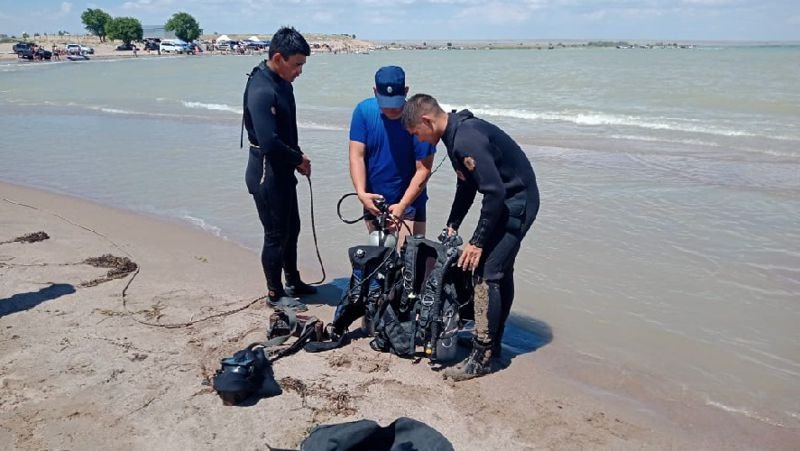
368, 201
304, 168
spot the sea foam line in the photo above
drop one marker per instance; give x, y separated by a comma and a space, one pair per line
745, 412
593, 118
238, 111
211, 106
202, 224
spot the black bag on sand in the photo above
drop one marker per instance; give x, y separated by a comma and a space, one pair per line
245, 375
403, 434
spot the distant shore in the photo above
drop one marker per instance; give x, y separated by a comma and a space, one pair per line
319, 43
343, 43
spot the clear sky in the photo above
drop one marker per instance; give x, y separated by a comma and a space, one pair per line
760, 20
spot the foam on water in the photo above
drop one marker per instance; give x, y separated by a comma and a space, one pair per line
204, 225
744, 412
212, 107
592, 118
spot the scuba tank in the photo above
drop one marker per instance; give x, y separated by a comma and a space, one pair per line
382, 237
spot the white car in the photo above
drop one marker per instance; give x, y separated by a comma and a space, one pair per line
172, 47
78, 49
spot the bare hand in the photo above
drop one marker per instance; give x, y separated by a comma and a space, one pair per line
368, 201
451, 231
398, 211
396, 214
304, 168
469, 259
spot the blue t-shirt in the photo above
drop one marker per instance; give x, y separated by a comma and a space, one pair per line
391, 152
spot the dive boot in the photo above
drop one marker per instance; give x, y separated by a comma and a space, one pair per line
476, 365
300, 288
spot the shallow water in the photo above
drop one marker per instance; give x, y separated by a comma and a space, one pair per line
667, 241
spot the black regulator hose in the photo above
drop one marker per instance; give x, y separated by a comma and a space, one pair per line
339, 210
314, 233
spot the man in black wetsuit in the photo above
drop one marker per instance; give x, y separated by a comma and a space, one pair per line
488, 161
271, 121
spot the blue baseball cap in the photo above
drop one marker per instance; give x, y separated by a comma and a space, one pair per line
390, 87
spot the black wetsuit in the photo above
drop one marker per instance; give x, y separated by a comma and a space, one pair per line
271, 121
488, 161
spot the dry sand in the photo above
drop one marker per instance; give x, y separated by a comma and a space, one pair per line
79, 369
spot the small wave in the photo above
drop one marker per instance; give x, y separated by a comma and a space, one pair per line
691, 142
593, 118
237, 110
111, 110
316, 126
743, 411
201, 223
212, 106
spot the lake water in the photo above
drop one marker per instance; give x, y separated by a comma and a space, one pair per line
668, 241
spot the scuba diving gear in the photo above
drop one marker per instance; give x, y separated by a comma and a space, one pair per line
436, 297
381, 236
375, 268
373, 276
335, 340
402, 434
286, 302
417, 298
245, 374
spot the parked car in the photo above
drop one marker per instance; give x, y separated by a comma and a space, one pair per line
31, 51
152, 43
124, 47
21, 46
172, 47
78, 49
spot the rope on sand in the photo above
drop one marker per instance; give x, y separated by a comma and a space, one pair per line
133, 276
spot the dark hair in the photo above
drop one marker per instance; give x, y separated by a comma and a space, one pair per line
287, 41
418, 105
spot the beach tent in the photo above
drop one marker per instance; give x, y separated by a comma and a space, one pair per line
254, 38
223, 38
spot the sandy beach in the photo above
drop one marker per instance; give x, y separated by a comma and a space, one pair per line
83, 368
320, 43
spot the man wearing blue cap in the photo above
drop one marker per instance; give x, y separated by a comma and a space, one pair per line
387, 161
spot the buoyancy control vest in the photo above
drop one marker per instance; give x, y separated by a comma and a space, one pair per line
435, 299
375, 274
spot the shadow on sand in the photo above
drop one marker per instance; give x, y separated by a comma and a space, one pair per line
25, 301
523, 334
328, 293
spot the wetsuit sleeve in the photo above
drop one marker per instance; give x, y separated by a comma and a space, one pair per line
465, 196
478, 159
261, 106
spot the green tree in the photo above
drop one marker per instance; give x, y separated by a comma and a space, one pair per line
25, 36
126, 29
96, 22
184, 26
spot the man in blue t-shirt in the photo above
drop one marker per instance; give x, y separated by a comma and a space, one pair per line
387, 161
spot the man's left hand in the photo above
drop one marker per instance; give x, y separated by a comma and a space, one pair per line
470, 258
398, 212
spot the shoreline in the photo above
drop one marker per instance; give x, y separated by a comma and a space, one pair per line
186, 273
344, 44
